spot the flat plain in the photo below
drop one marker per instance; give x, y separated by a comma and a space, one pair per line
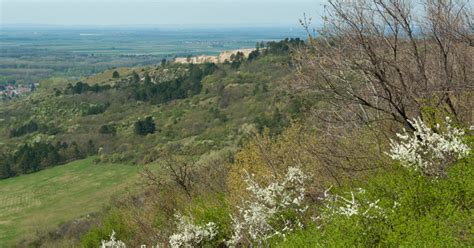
29, 55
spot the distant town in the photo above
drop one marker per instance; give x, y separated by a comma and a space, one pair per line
9, 91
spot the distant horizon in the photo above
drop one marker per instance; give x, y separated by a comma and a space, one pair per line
167, 13
152, 26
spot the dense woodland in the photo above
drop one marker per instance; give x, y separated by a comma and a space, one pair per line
360, 136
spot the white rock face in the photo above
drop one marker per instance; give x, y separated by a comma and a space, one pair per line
221, 58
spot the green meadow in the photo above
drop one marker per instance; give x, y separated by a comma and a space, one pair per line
48, 198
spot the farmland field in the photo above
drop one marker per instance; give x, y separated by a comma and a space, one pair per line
48, 198
29, 55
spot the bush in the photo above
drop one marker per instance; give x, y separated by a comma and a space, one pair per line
95, 109
108, 129
144, 127
113, 222
115, 74
32, 127
400, 206
429, 151
214, 210
417, 211
192, 235
80, 88
272, 211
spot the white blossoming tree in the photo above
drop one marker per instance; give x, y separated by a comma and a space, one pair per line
191, 235
112, 243
427, 150
357, 204
272, 210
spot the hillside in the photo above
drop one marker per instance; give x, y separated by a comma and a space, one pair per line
357, 136
235, 124
43, 200
204, 107
194, 110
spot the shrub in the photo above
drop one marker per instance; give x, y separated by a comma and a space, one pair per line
190, 234
400, 207
409, 210
95, 109
427, 150
113, 222
80, 88
272, 211
144, 127
112, 243
135, 77
108, 129
115, 74
356, 204
218, 214
31, 127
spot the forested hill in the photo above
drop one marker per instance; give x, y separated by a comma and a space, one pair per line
131, 114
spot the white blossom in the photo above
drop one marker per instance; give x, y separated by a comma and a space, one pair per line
357, 204
191, 235
254, 220
112, 243
426, 150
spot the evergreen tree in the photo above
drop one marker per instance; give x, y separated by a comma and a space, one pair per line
147, 79
115, 74
254, 55
135, 77
144, 127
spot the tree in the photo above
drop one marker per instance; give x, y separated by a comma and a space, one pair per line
144, 127
72, 152
194, 79
254, 55
178, 88
180, 167
135, 77
209, 68
147, 78
236, 60
80, 88
5, 170
108, 129
115, 74
380, 59
28, 158
29, 127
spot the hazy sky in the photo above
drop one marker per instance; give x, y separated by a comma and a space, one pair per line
161, 12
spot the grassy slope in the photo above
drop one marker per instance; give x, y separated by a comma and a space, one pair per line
47, 198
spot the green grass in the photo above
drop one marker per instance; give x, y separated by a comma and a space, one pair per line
48, 198
430, 213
